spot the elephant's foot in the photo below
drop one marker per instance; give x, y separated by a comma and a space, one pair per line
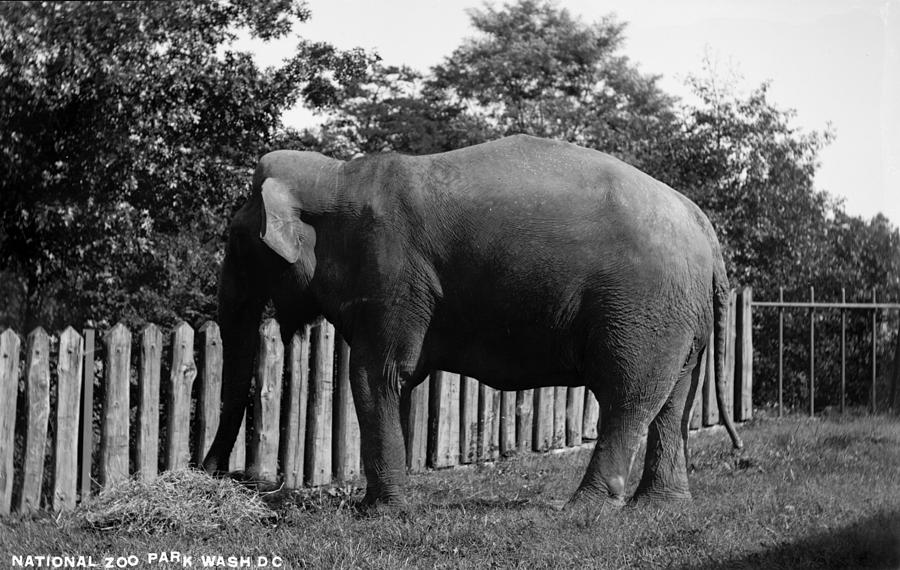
380, 501
595, 498
660, 496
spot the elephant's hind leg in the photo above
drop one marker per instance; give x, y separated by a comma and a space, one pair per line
665, 465
627, 412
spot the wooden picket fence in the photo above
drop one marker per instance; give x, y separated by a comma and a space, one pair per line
304, 429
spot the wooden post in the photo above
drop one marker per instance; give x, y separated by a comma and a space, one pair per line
560, 396
812, 354
267, 403
69, 368
147, 443
507, 420
743, 389
444, 428
574, 415
843, 351
874, 352
696, 421
68, 393
895, 375
468, 420
591, 415
293, 436
780, 353
710, 407
9, 387
730, 352
209, 397
417, 444
114, 438
238, 459
37, 410
181, 382
495, 426
524, 419
543, 420
487, 413
86, 436
321, 392
346, 425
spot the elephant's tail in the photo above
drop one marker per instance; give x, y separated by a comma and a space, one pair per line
720, 319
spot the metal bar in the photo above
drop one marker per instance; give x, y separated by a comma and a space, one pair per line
874, 351
812, 354
843, 353
805, 305
780, 353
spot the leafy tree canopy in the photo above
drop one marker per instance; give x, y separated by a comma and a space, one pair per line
126, 133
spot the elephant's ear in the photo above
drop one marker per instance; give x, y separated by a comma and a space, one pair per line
282, 229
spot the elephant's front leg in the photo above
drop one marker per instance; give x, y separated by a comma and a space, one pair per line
377, 385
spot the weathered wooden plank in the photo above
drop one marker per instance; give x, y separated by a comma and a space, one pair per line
696, 420
444, 413
560, 398
574, 415
114, 438
149, 374
710, 407
37, 410
293, 436
591, 422
486, 412
267, 403
524, 419
346, 425
417, 445
9, 386
68, 395
495, 426
238, 459
209, 396
743, 381
181, 382
543, 418
507, 420
321, 393
730, 338
468, 420
86, 436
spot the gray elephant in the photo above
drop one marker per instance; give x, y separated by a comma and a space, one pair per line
521, 262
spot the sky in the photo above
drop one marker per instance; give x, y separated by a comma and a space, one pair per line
836, 62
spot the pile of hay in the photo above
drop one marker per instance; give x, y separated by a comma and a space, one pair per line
186, 500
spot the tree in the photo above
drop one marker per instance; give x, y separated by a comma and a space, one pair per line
127, 131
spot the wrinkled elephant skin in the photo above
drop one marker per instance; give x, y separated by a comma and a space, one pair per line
521, 262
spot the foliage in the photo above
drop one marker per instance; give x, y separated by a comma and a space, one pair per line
127, 131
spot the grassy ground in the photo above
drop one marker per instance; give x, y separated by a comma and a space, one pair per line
804, 494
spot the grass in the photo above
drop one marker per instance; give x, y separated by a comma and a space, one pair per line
804, 494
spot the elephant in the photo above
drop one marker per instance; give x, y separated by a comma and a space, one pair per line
523, 262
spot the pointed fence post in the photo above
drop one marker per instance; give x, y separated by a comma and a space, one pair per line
209, 397
591, 415
543, 418
267, 404
321, 393
9, 387
68, 394
346, 426
507, 423
114, 438
574, 415
468, 420
524, 420
417, 445
150, 371
293, 436
37, 410
181, 382
743, 383
86, 435
444, 414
